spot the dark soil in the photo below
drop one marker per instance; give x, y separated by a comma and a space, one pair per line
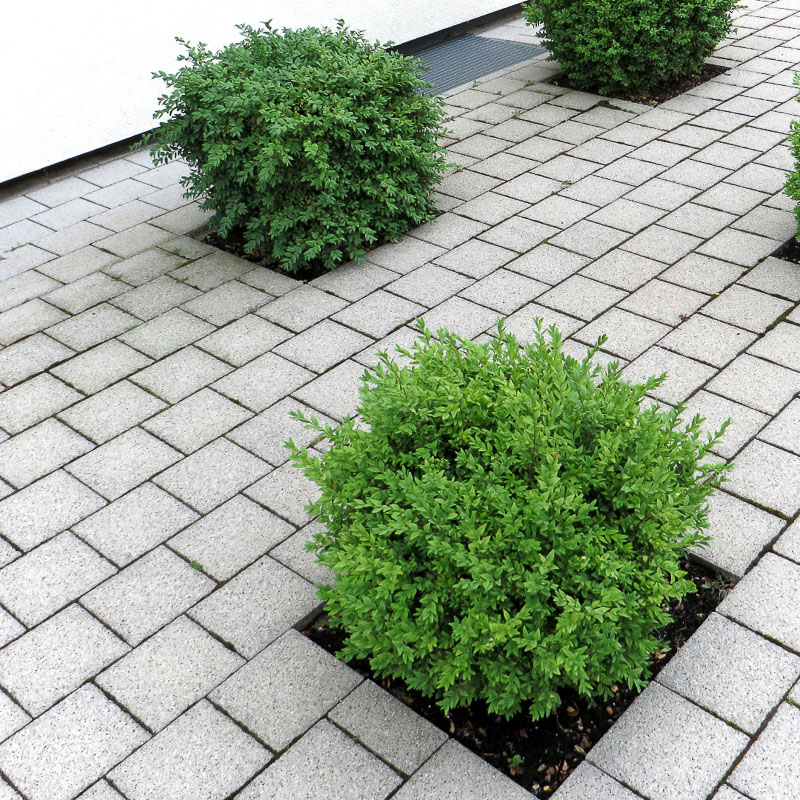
665, 92
541, 755
789, 252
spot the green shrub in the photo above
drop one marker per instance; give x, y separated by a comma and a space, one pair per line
314, 143
629, 46
793, 178
508, 522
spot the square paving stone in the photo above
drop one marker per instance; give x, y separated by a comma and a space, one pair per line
781, 345
51, 576
429, 285
559, 211
589, 238
20, 289
28, 318
285, 689
95, 369
123, 463
744, 690
757, 383
181, 374
476, 258
465, 184
581, 297
32, 401
56, 657
91, 327
169, 672
404, 255
293, 553
324, 763
114, 410
668, 749
263, 381
623, 269
336, 392
46, 508
229, 538
12, 717
589, 782
664, 302
662, 244
566, 168
402, 337
491, 208
169, 332
243, 340
772, 222
662, 194
287, 492
201, 754
769, 476
683, 375
627, 215
135, 523
323, 345
628, 335
518, 234
478, 146
72, 238
134, 240
379, 313
86, 292
504, 291
708, 340
35, 452
257, 606
703, 274
100, 791
528, 188
783, 431
212, 475
454, 773
697, 220
147, 595
739, 247
733, 199
70, 747
548, 264
196, 420
775, 276
352, 281
630, 171
771, 767
789, 545
522, 323
155, 297
767, 600
747, 308
26, 358
144, 267
595, 190
388, 727
227, 302
302, 308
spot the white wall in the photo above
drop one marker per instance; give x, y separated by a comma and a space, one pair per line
75, 74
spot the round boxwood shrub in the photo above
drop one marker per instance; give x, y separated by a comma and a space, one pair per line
629, 46
313, 143
506, 521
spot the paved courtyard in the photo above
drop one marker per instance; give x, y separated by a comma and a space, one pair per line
154, 573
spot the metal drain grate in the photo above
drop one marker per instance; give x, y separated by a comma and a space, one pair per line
466, 58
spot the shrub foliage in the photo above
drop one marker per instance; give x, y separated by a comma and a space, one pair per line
314, 142
793, 178
506, 521
630, 46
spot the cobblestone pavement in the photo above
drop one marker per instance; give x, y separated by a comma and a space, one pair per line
148, 379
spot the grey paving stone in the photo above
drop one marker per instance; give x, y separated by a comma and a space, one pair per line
197, 420
181, 374
522, 322
518, 234
56, 657
323, 345
263, 381
479, 146
95, 369
302, 308
292, 553
19, 208
100, 791
256, 606
155, 297
769, 476
61, 191
428, 286
265, 434
353, 281
627, 215
775, 276
756, 176
559, 211
781, 345
589, 238
667, 154
774, 578
21, 233
566, 168
730, 198
528, 188
67, 213
135, 240
504, 291
121, 193
491, 208
28, 318
285, 689
623, 269
134, 524
184, 220
123, 463
461, 317
774, 223
114, 410
331, 764
167, 333
45, 508
336, 392
475, 258
662, 194
7, 793
404, 255
72, 238
450, 230
628, 335
744, 690
379, 313
789, 545
726, 793
169, 672
33, 401
165, 174
243, 340
201, 754
747, 308
770, 768
84, 293
22, 288
35, 452
757, 383
703, 274
212, 475
602, 151
539, 148
92, 327
126, 215
402, 337
664, 302
454, 773
147, 595
491, 112
388, 727
22, 259
683, 374
697, 220
739, 247
662, 244
287, 492
227, 302
145, 267
548, 264
630, 171
51, 576
467, 184
111, 172
589, 782
70, 747
783, 431
229, 538
665, 747
581, 297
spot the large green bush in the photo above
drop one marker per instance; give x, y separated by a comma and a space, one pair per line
506, 521
314, 143
793, 178
623, 47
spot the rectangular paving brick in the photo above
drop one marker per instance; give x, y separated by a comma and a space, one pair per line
769, 476
155, 297
95, 369
181, 374
33, 401
756, 383
28, 318
144, 267
244, 339
684, 375
167, 333
628, 334
323, 345
746, 308
287, 492
784, 430
379, 313
589, 238
93, 326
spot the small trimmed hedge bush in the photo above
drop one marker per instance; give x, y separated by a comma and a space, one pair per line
506, 521
314, 143
626, 47
793, 178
